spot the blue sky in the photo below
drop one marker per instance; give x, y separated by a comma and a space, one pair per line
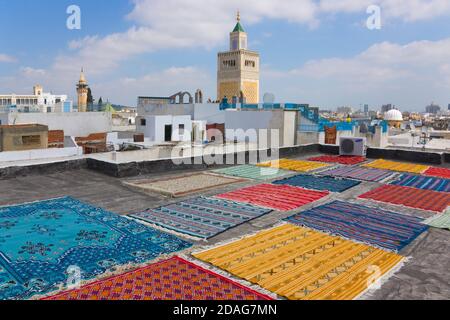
312, 51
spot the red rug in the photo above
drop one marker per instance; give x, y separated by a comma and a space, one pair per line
173, 279
347, 160
410, 197
438, 172
276, 197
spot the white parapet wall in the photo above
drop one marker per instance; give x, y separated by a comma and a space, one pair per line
40, 154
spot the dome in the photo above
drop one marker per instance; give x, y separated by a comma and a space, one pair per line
393, 115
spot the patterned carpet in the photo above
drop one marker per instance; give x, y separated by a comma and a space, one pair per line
173, 279
359, 173
440, 221
346, 160
410, 197
438, 172
276, 197
254, 172
397, 166
422, 182
201, 217
384, 229
40, 241
301, 264
294, 165
319, 183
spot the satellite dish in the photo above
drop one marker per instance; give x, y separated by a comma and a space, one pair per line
269, 98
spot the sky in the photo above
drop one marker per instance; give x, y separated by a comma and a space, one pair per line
319, 52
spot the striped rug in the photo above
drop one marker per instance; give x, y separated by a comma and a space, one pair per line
440, 221
319, 183
201, 217
294, 165
380, 228
254, 172
438, 172
276, 197
422, 182
397, 166
410, 197
302, 264
359, 173
346, 160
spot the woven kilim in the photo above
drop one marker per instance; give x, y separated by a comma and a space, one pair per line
40, 241
302, 264
319, 183
441, 221
346, 160
359, 173
173, 279
396, 166
410, 197
438, 172
294, 165
422, 182
276, 197
254, 172
201, 217
384, 229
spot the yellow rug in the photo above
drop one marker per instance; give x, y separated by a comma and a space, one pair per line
302, 264
397, 166
294, 165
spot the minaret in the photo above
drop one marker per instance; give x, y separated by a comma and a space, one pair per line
82, 90
238, 69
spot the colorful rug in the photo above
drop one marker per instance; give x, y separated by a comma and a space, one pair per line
438, 172
410, 197
254, 172
346, 160
302, 264
183, 185
276, 197
319, 183
294, 165
384, 229
422, 182
173, 279
359, 173
40, 241
440, 221
396, 166
201, 217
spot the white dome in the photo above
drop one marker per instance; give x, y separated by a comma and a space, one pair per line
393, 115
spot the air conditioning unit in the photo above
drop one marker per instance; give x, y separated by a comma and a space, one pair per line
352, 147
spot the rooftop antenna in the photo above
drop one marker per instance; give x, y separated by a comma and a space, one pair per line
238, 16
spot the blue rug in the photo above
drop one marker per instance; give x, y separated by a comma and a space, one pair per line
40, 241
384, 229
423, 182
201, 217
319, 183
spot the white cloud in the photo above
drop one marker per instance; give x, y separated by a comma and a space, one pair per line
4, 58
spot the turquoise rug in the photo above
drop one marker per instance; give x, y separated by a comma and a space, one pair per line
40, 241
440, 221
254, 172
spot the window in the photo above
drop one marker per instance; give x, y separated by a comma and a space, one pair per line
143, 122
31, 140
181, 129
250, 63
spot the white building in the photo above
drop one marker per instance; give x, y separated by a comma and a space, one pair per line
165, 128
39, 101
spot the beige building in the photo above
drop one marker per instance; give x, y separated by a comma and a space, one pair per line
238, 69
82, 90
23, 137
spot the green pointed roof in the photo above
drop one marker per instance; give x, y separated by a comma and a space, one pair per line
238, 28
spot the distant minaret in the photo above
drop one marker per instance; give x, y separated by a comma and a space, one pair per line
82, 90
238, 69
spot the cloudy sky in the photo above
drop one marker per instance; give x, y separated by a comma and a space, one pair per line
313, 51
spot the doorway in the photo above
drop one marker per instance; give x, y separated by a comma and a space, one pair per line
168, 133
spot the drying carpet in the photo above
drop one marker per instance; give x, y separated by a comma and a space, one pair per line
422, 182
276, 197
396, 166
302, 264
319, 183
384, 229
359, 173
201, 217
346, 160
294, 165
254, 172
438, 172
440, 221
173, 279
40, 241
410, 197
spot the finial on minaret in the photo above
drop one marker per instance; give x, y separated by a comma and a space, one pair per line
238, 17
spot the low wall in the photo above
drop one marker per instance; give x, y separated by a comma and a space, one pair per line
39, 169
40, 154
